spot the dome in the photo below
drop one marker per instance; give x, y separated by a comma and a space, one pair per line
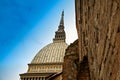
52, 53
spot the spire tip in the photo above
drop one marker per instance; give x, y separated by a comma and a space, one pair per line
63, 12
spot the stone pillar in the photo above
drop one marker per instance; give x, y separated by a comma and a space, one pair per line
31, 78
40, 78
43, 78
37, 78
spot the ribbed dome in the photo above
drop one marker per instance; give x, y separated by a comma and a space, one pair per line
52, 53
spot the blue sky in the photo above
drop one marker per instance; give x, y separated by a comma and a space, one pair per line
25, 27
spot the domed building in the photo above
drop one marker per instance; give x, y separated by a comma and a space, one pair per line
47, 64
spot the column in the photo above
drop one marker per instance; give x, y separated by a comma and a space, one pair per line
37, 78
40, 78
31, 78
23, 78
43, 78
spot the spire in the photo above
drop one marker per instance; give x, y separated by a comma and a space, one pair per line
62, 18
60, 33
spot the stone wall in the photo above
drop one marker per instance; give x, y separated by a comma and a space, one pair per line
98, 26
70, 65
72, 68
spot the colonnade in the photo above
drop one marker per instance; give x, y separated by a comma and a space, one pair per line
33, 78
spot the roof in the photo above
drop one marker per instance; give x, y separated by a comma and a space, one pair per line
37, 74
52, 53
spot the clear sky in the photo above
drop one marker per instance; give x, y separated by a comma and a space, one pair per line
28, 25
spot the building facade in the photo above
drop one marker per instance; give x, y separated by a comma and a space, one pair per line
48, 62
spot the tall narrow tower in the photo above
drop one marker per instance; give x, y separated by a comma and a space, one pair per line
60, 33
48, 62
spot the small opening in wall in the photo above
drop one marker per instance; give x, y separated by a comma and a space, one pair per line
97, 40
118, 29
99, 68
111, 74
